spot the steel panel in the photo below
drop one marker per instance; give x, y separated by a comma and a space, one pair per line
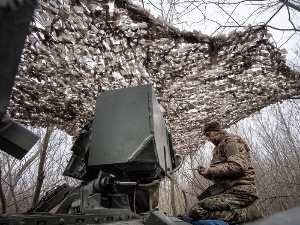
121, 123
129, 131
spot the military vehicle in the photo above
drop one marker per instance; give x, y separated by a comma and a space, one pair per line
120, 157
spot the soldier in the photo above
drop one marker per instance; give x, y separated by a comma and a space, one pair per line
230, 166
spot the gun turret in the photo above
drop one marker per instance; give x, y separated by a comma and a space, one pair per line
122, 154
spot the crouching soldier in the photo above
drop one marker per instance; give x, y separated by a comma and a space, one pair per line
230, 167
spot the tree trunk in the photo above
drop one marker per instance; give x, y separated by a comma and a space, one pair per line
173, 202
2, 197
11, 184
21, 171
41, 173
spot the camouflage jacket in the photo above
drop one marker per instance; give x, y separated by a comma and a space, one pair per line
231, 164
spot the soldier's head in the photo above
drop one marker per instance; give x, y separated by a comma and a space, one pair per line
210, 129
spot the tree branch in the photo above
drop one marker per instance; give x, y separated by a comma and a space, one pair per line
12, 189
41, 174
292, 5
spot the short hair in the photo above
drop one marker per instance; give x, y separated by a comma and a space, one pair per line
212, 126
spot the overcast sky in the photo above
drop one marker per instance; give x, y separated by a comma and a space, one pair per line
238, 13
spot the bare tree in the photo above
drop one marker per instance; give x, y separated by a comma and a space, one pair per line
2, 196
41, 173
19, 177
218, 17
294, 61
274, 138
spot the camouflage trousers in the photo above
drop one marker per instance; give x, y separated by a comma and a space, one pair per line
228, 206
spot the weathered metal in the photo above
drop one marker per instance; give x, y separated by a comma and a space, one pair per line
129, 135
15, 139
14, 26
125, 151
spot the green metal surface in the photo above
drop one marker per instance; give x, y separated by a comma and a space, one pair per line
15, 139
129, 132
121, 124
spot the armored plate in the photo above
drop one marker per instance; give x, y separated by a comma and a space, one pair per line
129, 133
155, 218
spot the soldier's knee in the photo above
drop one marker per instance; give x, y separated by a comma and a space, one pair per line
253, 212
249, 213
197, 212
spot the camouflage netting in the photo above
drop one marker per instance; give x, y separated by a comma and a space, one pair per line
78, 49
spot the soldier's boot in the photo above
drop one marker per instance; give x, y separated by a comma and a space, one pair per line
253, 212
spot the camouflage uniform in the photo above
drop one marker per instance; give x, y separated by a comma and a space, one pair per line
230, 165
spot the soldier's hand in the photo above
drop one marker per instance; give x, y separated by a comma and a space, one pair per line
204, 172
200, 168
